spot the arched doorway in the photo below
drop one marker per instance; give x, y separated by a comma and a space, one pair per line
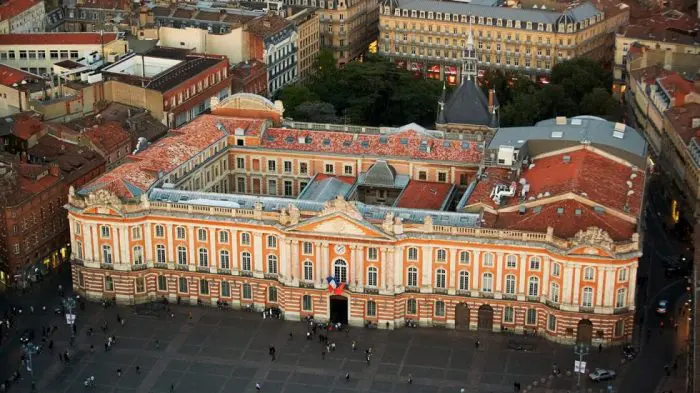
584, 332
462, 316
339, 309
485, 317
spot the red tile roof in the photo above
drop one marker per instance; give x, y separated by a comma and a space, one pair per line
575, 216
424, 195
405, 144
681, 117
344, 179
675, 83
267, 25
588, 174
109, 136
56, 38
9, 75
136, 176
26, 126
15, 7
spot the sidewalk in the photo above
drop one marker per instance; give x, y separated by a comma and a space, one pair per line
677, 381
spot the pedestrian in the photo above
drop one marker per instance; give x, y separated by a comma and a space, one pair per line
347, 377
92, 348
476, 343
138, 370
123, 321
258, 387
323, 355
368, 356
308, 335
119, 372
328, 348
516, 386
354, 345
189, 315
119, 318
60, 357
75, 328
172, 388
157, 344
50, 345
461, 390
600, 348
290, 336
410, 379
333, 346
106, 346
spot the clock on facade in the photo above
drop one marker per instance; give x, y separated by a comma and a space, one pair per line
339, 249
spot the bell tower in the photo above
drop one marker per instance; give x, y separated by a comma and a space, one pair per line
469, 60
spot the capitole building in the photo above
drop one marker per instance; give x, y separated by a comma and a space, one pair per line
535, 229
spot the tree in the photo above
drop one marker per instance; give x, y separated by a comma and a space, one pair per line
325, 64
317, 112
599, 102
294, 95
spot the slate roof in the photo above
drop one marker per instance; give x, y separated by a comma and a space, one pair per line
325, 188
380, 174
467, 105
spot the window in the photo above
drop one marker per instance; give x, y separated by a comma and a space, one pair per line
556, 269
303, 168
347, 170
441, 255
109, 284
182, 285
203, 287
621, 298
271, 165
162, 283
271, 241
287, 167
223, 236
619, 328
554, 292
340, 271
104, 231
136, 233
534, 263
372, 254
247, 291
588, 273
411, 306
488, 259
487, 282
245, 261
551, 323
245, 238
329, 169
160, 231
180, 233
224, 260
181, 255
77, 228
622, 274
531, 316
439, 308
412, 279
138, 255
307, 248
372, 276
272, 264
203, 257
202, 235
225, 289
511, 261
533, 286
307, 303
288, 188
508, 314
78, 249
412, 254
587, 298
272, 294
140, 284
442, 177
81, 280
422, 175
510, 284
106, 254
371, 308
240, 162
440, 278
308, 271
464, 257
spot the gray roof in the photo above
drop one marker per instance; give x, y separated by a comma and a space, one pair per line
579, 130
467, 105
269, 203
380, 174
579, 13
325, 189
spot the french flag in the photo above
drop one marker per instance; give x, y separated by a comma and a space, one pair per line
333, 286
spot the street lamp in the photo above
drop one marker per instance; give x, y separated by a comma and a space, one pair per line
69, 304
30, 349
580, 350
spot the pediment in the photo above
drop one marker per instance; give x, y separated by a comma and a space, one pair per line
339, 224
589, 251
105, 211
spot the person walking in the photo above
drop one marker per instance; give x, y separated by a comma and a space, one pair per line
157, 344
258, 387
138, 370
172, 388
476, 343
323, 355
119, 372
347, 377
354, 345
410, 379
290, 336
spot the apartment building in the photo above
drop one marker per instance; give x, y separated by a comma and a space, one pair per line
260, 214
427, 37
98, 15
274, 41
22, 16
37, 52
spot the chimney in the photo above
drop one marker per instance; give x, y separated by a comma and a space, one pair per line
491, 93
53, 170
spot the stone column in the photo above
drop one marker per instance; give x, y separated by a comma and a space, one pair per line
426, 283
88, 243
213, 255
475, 279
148, 236
358, 263
285, 260
296, 273
171, 257
399, 270
235, 258
258, 256
318, 266
191, 261
325, 257
632, 278
610, 279
383, 265
598, 301
124, 244
499, 274
577, 284
389, 270
453, 271
544, 290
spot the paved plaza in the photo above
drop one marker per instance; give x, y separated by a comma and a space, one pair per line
227, 351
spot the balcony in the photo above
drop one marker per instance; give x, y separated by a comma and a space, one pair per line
246, 273
488, 295
533, 299
510, 296
442, 291
160, 265
621, 310
140, 266
181, 267
223, 271
412, 289
77, 262
107, 266
270, 276
306, 284
585, 309
371, 290
464, 292
203, 269
552, 304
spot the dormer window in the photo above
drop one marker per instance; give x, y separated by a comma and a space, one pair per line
489, 22
517, 24
438, 16
430, 15
413, 14
540, 27
422, 14
509, 23
397, 12
404, 13
499, 22
463, 19
529, 26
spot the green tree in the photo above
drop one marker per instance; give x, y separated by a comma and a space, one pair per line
325, 64
317, 112
599, 102
294, 95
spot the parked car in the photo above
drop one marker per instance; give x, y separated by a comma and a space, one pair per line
662, 307
629, 352
601, 375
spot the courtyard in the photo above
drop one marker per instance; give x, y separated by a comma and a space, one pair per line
203, 349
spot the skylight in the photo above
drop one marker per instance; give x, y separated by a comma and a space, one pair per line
557, 134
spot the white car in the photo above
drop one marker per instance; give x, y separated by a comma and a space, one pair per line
662, 308
601, 375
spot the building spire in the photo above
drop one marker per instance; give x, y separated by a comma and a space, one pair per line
469, 60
